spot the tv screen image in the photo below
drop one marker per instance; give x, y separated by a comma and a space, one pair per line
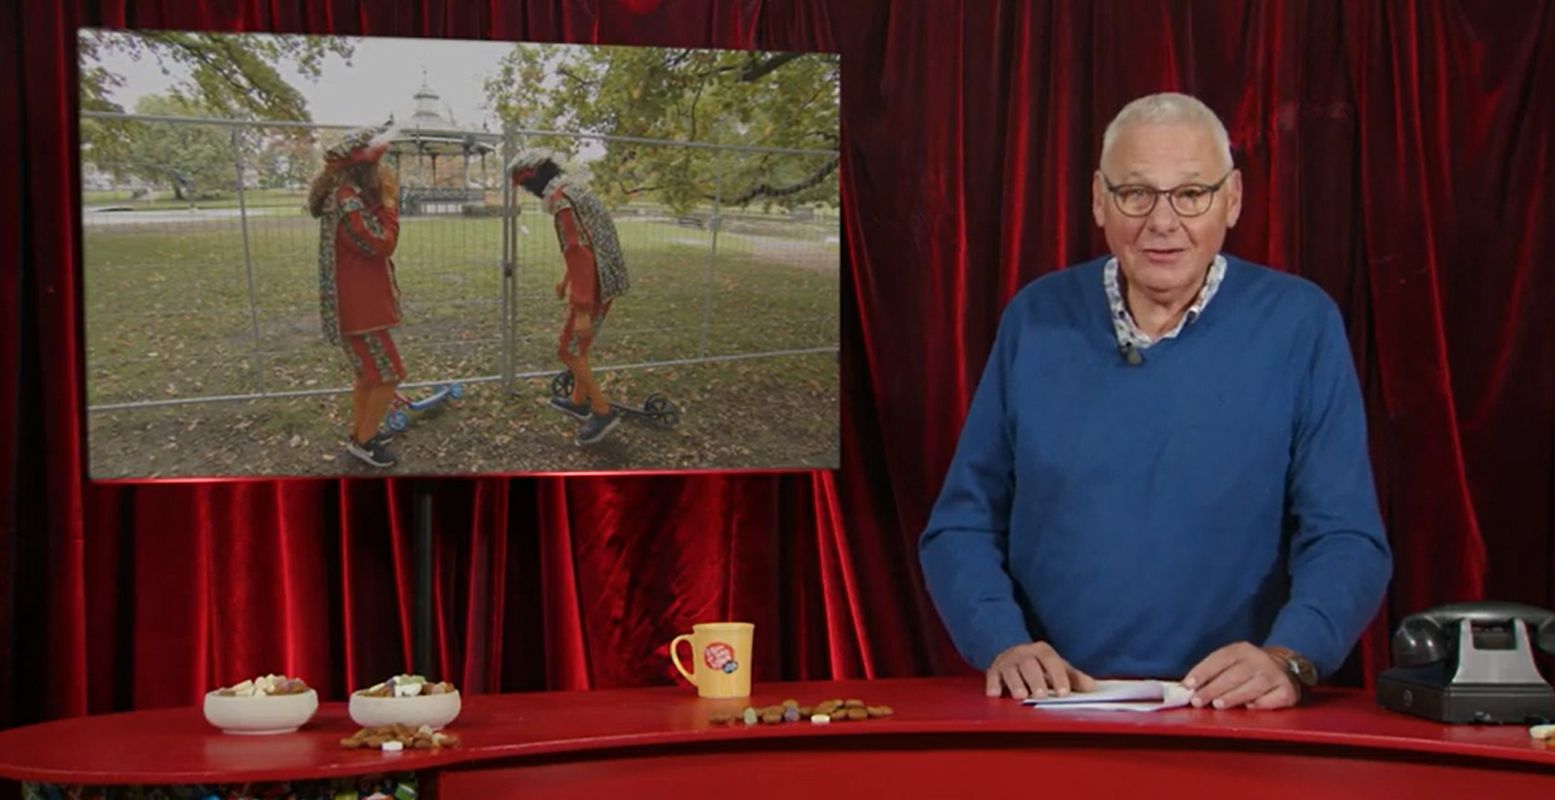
346, 256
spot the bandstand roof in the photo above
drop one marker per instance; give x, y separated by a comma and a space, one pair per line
428, 132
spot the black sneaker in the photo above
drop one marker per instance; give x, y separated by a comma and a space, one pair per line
373, 453
383, 436
596, 426
566, 406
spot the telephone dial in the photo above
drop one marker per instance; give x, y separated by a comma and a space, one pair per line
1471, 662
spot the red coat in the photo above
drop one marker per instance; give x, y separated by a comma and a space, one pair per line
582, 275
357, 285
582, 267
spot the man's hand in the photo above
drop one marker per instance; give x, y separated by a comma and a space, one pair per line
1241, 674
582, 323
1034, 670
561, 289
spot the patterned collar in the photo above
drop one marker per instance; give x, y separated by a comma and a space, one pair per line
550, 202
1123, 324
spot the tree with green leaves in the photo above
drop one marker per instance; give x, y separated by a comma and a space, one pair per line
233, 75
196, 161
229, 75
786, 100
286, 161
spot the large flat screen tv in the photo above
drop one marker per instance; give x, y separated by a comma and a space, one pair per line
276, 229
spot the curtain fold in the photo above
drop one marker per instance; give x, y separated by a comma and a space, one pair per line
1397, 153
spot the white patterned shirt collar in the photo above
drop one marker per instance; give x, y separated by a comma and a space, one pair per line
1123, 324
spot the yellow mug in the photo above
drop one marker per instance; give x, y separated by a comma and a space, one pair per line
720, 658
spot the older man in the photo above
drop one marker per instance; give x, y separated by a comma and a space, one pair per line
1163, 472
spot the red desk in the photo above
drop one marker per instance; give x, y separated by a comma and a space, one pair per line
945, 739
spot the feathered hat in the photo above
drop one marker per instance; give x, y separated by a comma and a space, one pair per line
362, 145
527, 161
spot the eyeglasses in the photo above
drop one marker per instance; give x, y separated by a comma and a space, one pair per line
1188, 200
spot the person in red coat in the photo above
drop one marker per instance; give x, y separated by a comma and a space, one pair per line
595, 277
355, 201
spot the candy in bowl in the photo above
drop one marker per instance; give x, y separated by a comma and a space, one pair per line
268, 704
405, 700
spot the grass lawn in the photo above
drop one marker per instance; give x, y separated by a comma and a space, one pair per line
290, 198
168, 317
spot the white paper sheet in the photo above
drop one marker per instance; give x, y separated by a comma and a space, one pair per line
1119, 695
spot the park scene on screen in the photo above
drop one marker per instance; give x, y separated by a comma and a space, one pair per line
709, 175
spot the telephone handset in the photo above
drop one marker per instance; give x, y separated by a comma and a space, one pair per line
1471, 662
1427, 637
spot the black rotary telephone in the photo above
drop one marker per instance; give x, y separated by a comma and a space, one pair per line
1471, 662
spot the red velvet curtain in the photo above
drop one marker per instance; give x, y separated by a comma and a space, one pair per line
1398, 153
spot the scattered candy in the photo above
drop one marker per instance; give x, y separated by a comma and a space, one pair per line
1542, 731
789, 711
407, 736
392, 746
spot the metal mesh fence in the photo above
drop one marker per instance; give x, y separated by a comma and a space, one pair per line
201, 277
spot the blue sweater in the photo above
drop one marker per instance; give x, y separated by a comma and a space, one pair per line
1139, 517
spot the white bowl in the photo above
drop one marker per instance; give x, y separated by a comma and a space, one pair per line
260, 714
433, 710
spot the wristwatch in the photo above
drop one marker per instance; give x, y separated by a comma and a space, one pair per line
1296, 666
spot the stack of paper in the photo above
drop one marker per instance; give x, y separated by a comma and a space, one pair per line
1119, 695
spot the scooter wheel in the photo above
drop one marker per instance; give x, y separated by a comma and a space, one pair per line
399, 421
456, 390
656, 404
561, 385
666, 419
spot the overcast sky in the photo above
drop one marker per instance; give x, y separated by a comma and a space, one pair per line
381, 79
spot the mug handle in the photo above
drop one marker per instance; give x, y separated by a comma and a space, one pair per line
675, 656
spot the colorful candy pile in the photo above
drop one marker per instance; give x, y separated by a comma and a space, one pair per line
265, 685
407, 686
399, 786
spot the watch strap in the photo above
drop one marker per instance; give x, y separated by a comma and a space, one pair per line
1297, 666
